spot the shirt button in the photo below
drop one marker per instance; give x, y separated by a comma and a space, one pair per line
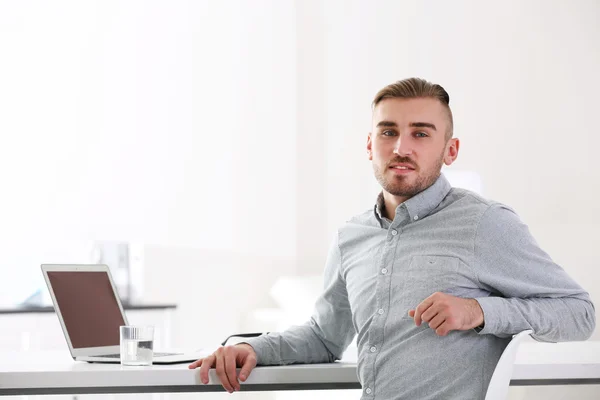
394, 232
380, 311
368, 390
416, 217
373, 349
384, 271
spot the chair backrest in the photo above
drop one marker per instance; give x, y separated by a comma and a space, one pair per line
498, 389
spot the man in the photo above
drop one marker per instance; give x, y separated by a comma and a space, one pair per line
434, 280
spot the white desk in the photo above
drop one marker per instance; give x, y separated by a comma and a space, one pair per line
57, 373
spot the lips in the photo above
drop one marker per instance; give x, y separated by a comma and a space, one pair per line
402, 167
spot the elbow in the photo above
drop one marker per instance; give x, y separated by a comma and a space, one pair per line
578, 327
586, 324
590, 319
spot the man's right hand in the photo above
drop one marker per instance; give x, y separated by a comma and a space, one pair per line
225, 360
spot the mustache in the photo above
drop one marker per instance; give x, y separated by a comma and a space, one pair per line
402, 160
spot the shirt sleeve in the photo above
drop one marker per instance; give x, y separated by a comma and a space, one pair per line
528, 290
325, 336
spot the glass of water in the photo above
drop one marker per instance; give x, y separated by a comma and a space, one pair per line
137, 345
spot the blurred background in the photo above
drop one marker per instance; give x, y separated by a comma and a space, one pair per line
208, 150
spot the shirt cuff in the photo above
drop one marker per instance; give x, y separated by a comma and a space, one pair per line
490, 322
260, 347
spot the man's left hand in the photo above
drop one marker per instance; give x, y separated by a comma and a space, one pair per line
445, 313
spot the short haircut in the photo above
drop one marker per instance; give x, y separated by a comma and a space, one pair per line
413, 88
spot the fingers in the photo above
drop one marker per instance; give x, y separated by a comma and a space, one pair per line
225, 361
436, 321
421, 308
196, 364
229, 360
206, 365
247, 368
444, 313
434, 317
443, 329
429, 314
221, 373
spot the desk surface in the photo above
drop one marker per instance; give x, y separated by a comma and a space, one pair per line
57, 373
50, 309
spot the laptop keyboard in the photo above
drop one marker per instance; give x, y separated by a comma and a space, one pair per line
155, 355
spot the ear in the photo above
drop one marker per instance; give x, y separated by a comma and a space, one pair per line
451, 151
369, 147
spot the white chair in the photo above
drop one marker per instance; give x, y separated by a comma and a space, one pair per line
498, 389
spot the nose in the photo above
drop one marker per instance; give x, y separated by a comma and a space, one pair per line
402, 146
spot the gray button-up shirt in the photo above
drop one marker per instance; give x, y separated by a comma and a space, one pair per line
442, 240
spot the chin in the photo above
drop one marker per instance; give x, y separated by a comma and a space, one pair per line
402, 182
402, 191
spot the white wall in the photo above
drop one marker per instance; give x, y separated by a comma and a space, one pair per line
166, 123
169, 123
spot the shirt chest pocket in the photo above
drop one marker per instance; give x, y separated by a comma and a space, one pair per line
424, 276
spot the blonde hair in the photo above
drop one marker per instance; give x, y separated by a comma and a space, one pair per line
412, 88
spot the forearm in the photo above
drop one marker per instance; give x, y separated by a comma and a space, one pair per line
551, 319
297, 345
533, 291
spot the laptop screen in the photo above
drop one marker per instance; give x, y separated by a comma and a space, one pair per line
88, 306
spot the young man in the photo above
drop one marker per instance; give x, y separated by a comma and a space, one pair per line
434, 280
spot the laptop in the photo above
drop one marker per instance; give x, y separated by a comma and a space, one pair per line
90, 313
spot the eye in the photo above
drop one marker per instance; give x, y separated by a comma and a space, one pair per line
388, 133
421, 134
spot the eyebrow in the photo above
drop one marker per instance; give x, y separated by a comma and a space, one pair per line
387, 124
422, 125
392, 124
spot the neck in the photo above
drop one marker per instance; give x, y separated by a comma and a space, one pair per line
391, 202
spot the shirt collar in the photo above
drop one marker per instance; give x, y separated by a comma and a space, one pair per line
379, 206
422, 204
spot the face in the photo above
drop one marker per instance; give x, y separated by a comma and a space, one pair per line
407, 144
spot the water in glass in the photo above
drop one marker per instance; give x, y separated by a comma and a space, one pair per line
136, 352
137, 345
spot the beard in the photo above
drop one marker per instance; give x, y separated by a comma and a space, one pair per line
407, 186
